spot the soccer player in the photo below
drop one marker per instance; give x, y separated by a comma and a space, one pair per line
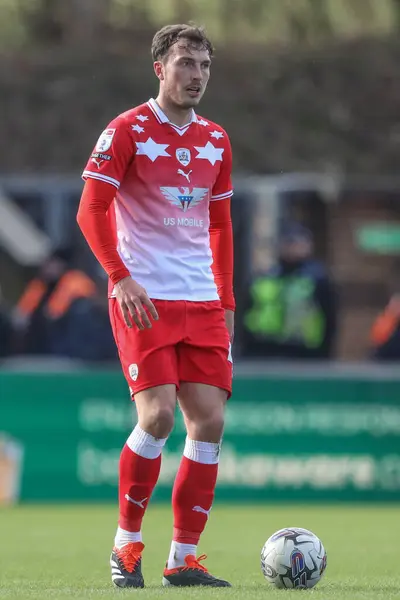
155, 211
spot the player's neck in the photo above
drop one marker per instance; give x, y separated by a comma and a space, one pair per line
177, 116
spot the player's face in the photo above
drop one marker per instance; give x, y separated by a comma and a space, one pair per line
185, 74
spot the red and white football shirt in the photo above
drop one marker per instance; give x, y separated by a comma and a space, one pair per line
165, 177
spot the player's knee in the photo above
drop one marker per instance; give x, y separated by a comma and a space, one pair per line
207, 428
158, 421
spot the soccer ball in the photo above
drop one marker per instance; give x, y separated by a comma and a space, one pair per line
293, 558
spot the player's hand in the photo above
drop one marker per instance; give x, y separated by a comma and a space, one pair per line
230, 322
133, 299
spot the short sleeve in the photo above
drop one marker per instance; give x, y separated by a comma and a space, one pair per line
112, 155
223, 185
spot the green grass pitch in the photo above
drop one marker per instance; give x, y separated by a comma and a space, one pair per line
51, 552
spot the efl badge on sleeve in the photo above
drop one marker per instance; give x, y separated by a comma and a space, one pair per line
105, 140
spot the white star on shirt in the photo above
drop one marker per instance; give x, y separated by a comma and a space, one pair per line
142, 118
202, 122
137, 128
152, 149
216, 134
209, 152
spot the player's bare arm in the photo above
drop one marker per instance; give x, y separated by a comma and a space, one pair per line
133, 299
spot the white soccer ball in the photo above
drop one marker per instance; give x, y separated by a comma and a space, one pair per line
293, 558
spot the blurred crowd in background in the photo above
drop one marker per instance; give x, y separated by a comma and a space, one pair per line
302, 86
61, 312
288, 312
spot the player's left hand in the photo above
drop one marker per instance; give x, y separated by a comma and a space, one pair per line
230, 322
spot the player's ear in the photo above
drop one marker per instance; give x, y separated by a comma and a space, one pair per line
159, 70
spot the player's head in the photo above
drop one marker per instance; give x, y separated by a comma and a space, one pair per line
182, 58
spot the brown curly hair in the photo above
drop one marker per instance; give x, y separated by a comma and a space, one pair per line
171, 34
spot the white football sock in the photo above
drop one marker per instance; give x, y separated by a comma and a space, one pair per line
206, 453
144, 444
178, 552
123, 537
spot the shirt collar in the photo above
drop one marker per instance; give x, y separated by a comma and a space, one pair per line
162, 117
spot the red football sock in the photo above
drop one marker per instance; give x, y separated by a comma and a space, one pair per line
139, 468
193, 491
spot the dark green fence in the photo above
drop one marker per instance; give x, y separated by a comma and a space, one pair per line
292, 438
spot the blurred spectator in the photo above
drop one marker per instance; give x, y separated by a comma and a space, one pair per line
291, 311
84, 332
385, 333
59, 313
5, 329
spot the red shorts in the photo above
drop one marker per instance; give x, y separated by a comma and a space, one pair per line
189, 342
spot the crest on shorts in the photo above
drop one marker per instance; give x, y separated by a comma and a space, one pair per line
133, 371
183, 156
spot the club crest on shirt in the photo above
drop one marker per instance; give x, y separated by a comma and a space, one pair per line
183, 156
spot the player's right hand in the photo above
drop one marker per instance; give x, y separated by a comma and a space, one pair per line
133, 299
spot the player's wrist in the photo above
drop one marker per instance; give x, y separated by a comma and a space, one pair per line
119, 275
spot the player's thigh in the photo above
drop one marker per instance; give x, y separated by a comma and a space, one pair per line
203, 408
148, 357
205, 356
